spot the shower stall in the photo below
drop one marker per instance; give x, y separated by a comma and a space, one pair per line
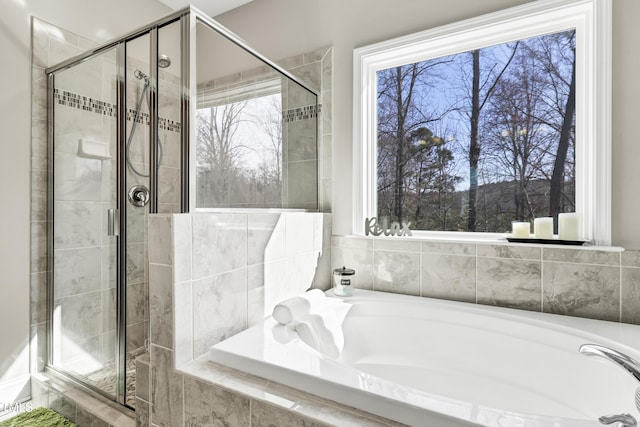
178, 116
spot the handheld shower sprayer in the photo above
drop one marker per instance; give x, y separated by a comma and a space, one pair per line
163, 62
140, 75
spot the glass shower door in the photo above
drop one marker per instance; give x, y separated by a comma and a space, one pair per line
84, 203
137, 188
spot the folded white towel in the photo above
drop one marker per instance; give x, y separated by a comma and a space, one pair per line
321, 332
294, 308
284, 334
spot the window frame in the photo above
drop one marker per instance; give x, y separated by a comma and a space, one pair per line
592, 22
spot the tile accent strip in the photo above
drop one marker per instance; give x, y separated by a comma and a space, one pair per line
85, 103
301, 113
80, 102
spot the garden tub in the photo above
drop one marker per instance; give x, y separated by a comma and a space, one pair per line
427, 362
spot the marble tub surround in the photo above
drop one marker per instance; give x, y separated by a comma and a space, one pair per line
582, 282
241, 399
213, 275
630, 287
225, 264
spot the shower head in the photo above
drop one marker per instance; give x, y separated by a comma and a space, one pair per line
164, 61
140, 75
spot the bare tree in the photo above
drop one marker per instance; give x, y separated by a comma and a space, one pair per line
523, 128
566, 134
477, 104
402, 109
511, 110
518, 148
269, 123
217, 148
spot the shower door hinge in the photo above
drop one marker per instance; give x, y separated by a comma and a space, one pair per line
113, 222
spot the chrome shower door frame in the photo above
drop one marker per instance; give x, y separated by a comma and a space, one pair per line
188, 17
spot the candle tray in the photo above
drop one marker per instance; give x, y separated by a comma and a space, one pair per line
547, 241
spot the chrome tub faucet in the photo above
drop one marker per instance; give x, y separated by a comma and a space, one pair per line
626, 363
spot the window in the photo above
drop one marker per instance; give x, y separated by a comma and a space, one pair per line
239, 146
504, 117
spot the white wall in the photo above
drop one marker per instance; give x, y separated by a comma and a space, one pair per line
282, 28
93, 19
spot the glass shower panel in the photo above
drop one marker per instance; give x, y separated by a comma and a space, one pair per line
299, 140
84, 192
246, 150
252, 144
169, 120
137, 185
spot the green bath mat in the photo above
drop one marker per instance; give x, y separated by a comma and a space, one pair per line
39, 417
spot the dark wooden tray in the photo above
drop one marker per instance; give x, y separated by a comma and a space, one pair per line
546, 241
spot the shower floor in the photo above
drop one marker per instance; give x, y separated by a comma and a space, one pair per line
105, 380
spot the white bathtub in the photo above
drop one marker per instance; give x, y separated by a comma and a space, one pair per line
426, 362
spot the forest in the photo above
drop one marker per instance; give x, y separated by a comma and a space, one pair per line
239, 154
476, 140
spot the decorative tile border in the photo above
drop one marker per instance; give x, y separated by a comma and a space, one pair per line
85, 103
302, 113
170, 125
139, 117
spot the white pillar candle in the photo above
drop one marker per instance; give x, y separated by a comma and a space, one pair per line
568, 226
520, 230
543, 228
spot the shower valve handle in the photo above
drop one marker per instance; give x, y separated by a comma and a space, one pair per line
139, 195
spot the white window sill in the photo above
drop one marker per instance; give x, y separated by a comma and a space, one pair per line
481, 239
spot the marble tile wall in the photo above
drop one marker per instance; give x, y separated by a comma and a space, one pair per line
168, 183
215, 395
315, 69
213, 275
582, 282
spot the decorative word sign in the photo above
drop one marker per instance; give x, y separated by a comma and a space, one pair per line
372, 226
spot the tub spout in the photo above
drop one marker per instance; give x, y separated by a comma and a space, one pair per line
616, 357
624, 420
625, 362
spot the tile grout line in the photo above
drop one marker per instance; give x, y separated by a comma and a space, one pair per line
420, 267
475, 247
542, 280
620, 290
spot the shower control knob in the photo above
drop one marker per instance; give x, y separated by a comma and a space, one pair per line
138, 195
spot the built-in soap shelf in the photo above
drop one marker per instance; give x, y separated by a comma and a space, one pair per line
93, 149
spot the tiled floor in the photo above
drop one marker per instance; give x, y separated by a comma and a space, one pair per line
104, 379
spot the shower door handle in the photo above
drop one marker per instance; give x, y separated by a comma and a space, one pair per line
113, 222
